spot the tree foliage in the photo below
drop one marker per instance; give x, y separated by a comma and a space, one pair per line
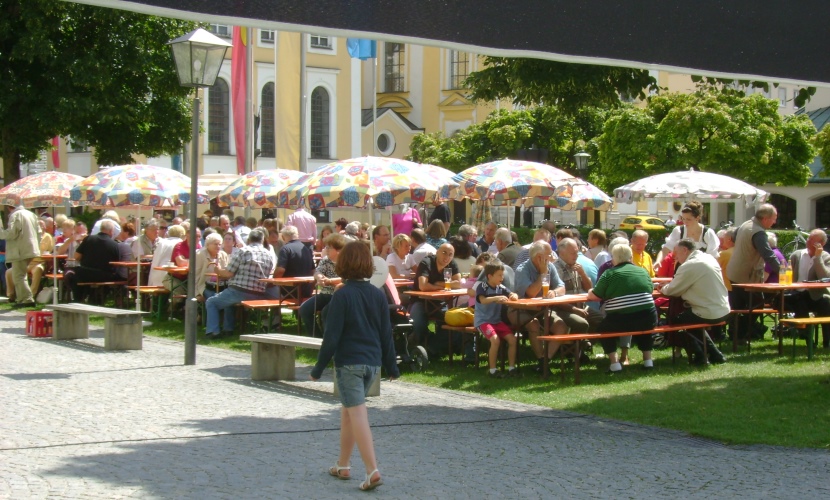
738, 87
822, 144
504, 132
569, 86
743, 137
102, 76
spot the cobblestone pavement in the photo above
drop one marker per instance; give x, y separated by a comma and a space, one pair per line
77, 421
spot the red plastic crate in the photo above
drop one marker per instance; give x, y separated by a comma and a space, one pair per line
39, 323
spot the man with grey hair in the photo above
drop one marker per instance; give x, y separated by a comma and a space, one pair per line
246, 268
811, 264
751, 252
116, 220
486, 241
529, 278
94, 253
540, 234
469, 233
507, 249
295, 258
146, 243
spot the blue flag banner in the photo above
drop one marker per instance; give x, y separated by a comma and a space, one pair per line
361, 48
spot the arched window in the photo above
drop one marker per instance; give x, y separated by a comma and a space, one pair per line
320, 113
786, 207
266, 122
218, 119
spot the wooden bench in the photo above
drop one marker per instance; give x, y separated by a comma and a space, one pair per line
152, 292
122, 328
273, 357
575, 337
267, 306
802, 323
471, 334
759, 311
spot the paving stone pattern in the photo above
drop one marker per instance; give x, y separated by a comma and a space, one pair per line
77, 421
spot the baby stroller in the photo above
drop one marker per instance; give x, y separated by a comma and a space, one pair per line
410, 355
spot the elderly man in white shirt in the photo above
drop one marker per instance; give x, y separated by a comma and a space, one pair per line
699, 282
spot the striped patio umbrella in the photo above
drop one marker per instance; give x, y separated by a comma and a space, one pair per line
40, 190
258, 189
369, 181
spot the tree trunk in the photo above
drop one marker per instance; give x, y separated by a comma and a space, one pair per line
11, 160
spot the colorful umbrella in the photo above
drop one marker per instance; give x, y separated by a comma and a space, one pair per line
213, 184
141, 185
369, 181
39, 190
482, 215
258, 189
504, 182
690, 184
135, 185
576, 196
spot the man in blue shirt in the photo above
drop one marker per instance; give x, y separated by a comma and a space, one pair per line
529, 285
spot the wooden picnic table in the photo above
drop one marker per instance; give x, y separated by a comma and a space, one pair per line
780, 289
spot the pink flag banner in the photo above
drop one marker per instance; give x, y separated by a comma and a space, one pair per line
239, 86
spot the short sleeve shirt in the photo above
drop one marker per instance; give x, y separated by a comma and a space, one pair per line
526, 274
429, 268
249, 265
488, 313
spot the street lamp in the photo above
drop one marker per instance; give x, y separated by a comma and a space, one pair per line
581, 160
198, 56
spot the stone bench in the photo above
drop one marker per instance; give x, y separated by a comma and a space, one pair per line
273, 357
122, 328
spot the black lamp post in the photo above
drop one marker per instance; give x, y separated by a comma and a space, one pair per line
581, 160
198, 56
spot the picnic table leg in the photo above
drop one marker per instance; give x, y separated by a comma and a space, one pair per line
810, 341
778, 324
576, 363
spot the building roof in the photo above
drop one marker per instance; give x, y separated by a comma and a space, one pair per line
820, 117
366, 118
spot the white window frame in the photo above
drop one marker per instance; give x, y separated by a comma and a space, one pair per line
266, 42
782, 97
331, 50
215, 29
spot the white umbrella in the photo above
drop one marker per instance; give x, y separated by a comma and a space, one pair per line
690, 184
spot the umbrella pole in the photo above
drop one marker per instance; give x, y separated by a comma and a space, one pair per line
371, 203
55, 273
138, 263
391, 230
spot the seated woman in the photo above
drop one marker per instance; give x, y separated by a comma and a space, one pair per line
436, 233
626, 291
463, 254
400, 260
321, 241
208, 260
324, 275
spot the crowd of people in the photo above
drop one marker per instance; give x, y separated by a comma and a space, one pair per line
234, 254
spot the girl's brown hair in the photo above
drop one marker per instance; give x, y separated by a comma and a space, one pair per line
355, 262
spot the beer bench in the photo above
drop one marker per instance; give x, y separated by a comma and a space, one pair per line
802, 323
576, 337
273, 357
122, 327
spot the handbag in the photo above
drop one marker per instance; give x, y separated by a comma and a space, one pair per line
459, 316
44, 296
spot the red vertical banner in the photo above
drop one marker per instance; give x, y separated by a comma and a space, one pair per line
239, 86
56, 157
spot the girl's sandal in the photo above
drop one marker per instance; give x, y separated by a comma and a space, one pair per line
368, 485
337, 471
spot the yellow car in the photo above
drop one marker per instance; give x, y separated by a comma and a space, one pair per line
642, 222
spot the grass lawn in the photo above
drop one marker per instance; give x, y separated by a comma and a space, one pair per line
753, 398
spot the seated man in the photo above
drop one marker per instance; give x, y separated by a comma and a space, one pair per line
808, 265
94, 254
429, 277
529, 285
146, 243
421, 248
577, 279
507, 249
295, 258
641, 257
540, 234
246, 268
380, 241
699, 282
164, 252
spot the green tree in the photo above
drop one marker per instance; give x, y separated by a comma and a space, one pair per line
104, 77
504, 132
822, 144
569, 86
743, 137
